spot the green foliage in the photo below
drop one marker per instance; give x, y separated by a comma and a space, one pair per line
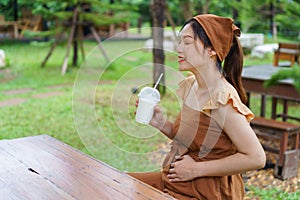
289, 20
55, 11
64, 9
6, 7
255, 16
49, 9
273, 194
47, 33
249, 14
293, 73
100, 19
92, 11
223, 8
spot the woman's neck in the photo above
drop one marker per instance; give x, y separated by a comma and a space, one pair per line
208, 78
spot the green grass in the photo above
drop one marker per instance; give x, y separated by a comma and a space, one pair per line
272, 194
54, 115
103, 126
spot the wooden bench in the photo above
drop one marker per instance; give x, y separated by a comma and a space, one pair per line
110, 30
9, 27
288, 136
29, 22
286, 51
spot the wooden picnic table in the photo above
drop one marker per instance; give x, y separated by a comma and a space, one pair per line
41, 167
253, 79
272, 130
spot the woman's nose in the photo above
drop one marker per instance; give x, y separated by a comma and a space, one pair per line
179, 48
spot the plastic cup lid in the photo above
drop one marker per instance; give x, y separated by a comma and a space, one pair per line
150, 94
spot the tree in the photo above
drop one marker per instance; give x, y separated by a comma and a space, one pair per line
187, 9
270, 17
288, 21
249, 13
73, 17
158, 9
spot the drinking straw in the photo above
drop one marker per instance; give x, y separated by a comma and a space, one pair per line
160, 76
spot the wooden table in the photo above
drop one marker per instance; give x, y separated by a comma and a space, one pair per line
41, 167
253, 79
287, 134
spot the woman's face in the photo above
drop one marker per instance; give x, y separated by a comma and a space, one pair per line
191, 53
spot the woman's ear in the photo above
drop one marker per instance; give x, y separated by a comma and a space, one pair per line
211, 52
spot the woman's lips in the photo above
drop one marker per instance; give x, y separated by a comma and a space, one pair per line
180, 59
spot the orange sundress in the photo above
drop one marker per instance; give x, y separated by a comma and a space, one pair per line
206, 141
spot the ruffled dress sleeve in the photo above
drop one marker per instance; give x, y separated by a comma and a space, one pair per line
224, 96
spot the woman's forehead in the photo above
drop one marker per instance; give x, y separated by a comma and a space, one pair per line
187, 31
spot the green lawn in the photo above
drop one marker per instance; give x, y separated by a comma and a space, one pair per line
92, 109
55, 115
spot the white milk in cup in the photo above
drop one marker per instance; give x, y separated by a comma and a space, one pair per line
148, 98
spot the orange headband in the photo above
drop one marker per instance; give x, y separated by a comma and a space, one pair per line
220, 31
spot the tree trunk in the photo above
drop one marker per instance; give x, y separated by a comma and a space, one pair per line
205, 7
273, 28
15, 2
235, 15
170, 20
186, 8
75, 52
158, 8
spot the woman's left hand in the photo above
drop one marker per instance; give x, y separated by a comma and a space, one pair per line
182, 169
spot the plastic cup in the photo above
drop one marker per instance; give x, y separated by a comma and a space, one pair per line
148, 98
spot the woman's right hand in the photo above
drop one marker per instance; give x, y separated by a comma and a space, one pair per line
157, 120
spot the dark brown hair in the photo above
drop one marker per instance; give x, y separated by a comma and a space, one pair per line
233, 63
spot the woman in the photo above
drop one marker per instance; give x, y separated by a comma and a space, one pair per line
213, 142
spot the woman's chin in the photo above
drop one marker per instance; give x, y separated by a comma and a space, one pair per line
182, 68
